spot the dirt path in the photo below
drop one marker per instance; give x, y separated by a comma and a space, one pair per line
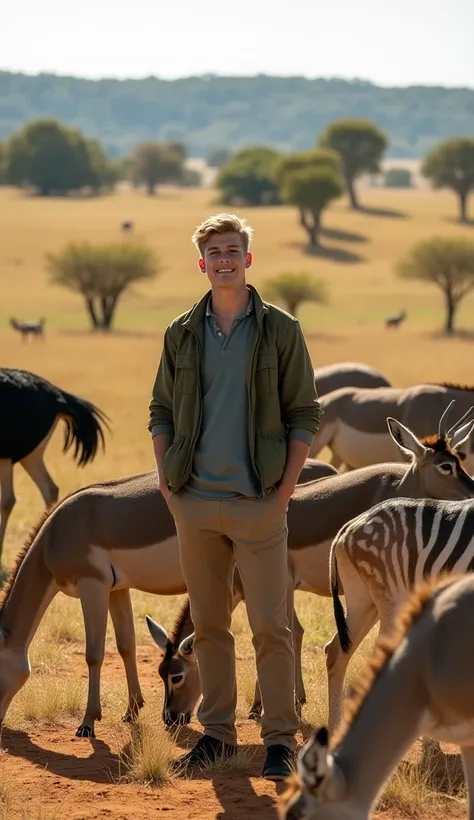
56, 774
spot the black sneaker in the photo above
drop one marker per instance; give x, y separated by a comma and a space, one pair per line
279, 763
207, 750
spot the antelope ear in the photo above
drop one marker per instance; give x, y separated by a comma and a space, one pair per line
462, 435
317, 769
186, 646
405, 439
159, 635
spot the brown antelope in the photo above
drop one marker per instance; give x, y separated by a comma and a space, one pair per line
347, 374
353, 420
378, 556
96, 545
420, 681
316, 513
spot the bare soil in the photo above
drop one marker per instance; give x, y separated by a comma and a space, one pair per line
54, 773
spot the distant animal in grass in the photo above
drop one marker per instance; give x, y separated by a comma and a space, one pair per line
396, 320
29, 328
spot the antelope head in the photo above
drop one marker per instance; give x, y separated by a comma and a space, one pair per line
179, 672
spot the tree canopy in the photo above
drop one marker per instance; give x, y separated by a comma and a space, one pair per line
54, 159
102, 274
451, 165
248, 177
295, 287
360, 144
447, 263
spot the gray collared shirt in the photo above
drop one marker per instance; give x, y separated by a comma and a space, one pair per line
221, 465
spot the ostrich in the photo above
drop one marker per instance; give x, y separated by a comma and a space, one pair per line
30, 408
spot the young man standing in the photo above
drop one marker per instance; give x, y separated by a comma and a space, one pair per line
233, 414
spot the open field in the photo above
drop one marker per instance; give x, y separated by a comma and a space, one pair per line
43, 768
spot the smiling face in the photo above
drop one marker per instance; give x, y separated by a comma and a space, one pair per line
224, 260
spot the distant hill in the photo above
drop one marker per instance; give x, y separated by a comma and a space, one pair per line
213, 111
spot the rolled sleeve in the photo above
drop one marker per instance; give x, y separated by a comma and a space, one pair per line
301, 435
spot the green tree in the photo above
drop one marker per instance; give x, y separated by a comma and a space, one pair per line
155, 163
3, 163
248, 178
294, 288
54, 159
218, 157
102, 274
446, 263
311, 190
360, 144
306, 159
397, 178
451, 165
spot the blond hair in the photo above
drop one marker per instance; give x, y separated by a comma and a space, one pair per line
222, 223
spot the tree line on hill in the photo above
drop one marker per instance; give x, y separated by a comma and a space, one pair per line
212, 111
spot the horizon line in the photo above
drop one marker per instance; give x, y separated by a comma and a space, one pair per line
216, 75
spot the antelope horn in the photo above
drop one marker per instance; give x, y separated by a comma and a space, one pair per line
443, 420
458, 424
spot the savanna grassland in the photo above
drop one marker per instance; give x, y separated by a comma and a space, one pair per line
44, 769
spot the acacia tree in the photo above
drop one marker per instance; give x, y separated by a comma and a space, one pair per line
294, 288
360, 144
311, 189
446, 263
102, 274
451, 165
155, 163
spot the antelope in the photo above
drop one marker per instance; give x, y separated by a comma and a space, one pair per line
429, 658
379, 555
97, 544
347, 374
316, 513
29, 328
396, 320
353, 420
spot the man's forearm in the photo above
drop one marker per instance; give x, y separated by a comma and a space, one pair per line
161, 444
296, 456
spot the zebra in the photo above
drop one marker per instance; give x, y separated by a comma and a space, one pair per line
378, 556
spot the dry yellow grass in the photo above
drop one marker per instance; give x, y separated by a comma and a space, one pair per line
117, 372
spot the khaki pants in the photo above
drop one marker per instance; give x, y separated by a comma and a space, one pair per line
213, 536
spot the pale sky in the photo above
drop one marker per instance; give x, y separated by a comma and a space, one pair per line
399, 42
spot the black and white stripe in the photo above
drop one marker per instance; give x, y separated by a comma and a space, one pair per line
401, 541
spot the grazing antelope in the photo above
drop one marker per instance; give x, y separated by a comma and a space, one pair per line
420, 681
96, 545
378, 556
316, 513
353, 420
30, 408
347, 374
29, 328
395, 321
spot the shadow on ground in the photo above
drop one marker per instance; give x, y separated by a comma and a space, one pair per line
328, 252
